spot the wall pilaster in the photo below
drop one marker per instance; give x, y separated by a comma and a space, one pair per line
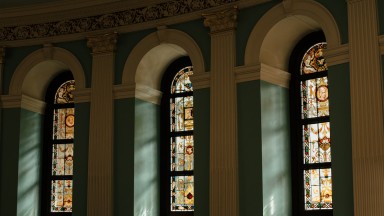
100, 155
223, 133
366, 107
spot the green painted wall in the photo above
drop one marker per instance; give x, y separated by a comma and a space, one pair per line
339, 12
200, 35
380, 6
124, 158
13, 58
247, 19
250, 148
275, 150
9, 161
83, 54
29, 178
80, 172
340, 117
146, 159
201, 99
125, 44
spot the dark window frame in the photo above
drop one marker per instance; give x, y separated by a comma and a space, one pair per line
297, 122
165, 173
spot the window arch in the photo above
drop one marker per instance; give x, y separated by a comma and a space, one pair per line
59, 146
177, 146
311, 128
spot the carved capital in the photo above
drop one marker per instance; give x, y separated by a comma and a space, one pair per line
102, 44
222, 20
2, 55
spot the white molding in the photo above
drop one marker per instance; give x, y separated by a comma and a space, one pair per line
32, 104
381, 42
275, 76
247, 73
337, 55
10, 101
200, 81
82, 95
148, 94
123, 91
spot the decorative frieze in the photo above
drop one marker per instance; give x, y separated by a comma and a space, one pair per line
107, 21
222, 20
103, 43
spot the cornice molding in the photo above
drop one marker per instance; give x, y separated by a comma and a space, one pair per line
123, 91
247, 73
110, 20
24, 101
82, 95
200, 81
148, 94
223, 20
381, 42
337, 55
275, 76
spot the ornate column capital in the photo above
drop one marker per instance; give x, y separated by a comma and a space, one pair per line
2, 55
101, 44
221, 20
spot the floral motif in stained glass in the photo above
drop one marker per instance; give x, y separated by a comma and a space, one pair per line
64, 92
182, 153
317, 143
318, 189
182, 193
62, 159
63, 123
314, 98
313, 60
61, 196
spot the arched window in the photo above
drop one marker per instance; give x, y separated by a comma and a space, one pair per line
59, 146
178, 143
311, 127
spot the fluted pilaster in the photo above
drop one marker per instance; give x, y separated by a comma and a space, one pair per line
223, 134
2, 56
100, 157
367, 108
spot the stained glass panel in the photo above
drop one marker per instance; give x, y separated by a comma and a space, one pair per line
61, 196
64, 92
314, 98
181, 113
318, 189
182, 193
313, 60
62, 159
63, 123
317, 143
182, 152
181, 82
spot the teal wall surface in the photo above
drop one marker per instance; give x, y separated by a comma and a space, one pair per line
146, 159
250, 148
9, 161
276, 150
125, 44
80, 171
200, 34
201, 99
380, 6
246, 21
124, 158
29, 178
340, 117
339, 12
83, 53
13, 58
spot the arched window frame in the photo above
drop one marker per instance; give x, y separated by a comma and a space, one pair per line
167, 136
299, 131
50, 142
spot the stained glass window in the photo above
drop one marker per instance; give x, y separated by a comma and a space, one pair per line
315, 129
181, 142
61, 148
